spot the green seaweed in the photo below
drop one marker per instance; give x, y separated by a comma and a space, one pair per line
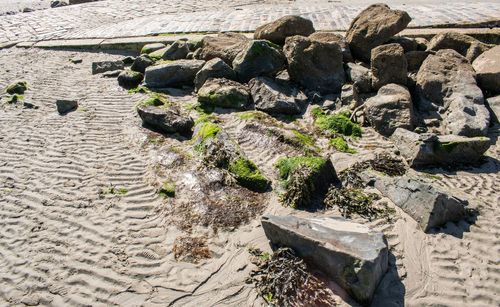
340, 144
447, 146
18, 87
248, 175
157, 100
287, 166
167, 189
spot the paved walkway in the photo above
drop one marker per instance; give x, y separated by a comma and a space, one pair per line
125, 18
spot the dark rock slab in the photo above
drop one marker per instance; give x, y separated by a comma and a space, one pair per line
66, 106
141, 63
166, 119
215, 68
176, 73
276, 96
130, 79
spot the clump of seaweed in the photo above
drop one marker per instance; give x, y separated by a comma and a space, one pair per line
283, 279
191, 249
336, 123
389, 165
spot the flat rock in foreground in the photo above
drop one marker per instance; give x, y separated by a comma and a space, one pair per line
166, 120
354, 256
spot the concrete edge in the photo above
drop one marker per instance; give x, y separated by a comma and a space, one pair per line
486, 35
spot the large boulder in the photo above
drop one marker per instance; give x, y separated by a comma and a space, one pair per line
177, 51
332, 37
278, 30
360, 76
258, 58
104, 66
390, 109
428, 205
276, 96
487, 67
141, 63
423, 150
166, 119
388, 65
172, 74
448, 96
225, 46
215, 68
374, 26
220, 92
148, 48
130, 79
466, 45
315, 65
353, 255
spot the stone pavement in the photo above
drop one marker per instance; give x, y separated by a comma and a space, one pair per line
128, 18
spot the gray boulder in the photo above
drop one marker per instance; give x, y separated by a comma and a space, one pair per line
179, 72
332, 37
408, 43
390, 109
276, 96
258, 58
315, 65
448, 96
428, 205
220, 92
100, 67
415, 59
141, 63
487, 67
165, 119
158, 54
177, 51
422, 150
130, 79
360, 76
374, 26
466, 45
148, 48
388, 65
278, 30
225, 46
493, 104
353, 255
215, 68
65, 106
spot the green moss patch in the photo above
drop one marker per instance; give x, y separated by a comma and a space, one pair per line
167, 189
287, 166
18, 87
156, 100
15, 98
340, 144
337, 123
248, 175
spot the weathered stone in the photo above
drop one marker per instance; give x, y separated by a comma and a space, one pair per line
348, 95
428, 205
493, 104
408, 43
278, 30
130, 79
258, 58
58, 3
276, 96
80, 1
215, 68
421, 43
128, 60
360, 76
17, 87
353, 255
165, 119
111, 74
390, 109
388, 65
415, 59
177, 51
158, 54
374, 26
487, 67
172, 74
315, 65
66, 106
449, 96
148, 48
141, 63
332, 37
466, 45
100, 67
421, 150
225, 46
224, 93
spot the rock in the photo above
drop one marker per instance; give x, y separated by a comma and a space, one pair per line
29, 105
130, 79
332, 37
258, 58
276, 96
415, 59
112, 74
421, 43
348, 95
58, 3
165, 119
487, 67
408, 43
224, 93
278, 30
141, 63
158, 54
448, 95
104, 66
315, 65
372, 27
388, 65
177, 51
390, 109
80, 1
176, 73
215, 68
428, 205
66, 106
493, 104
354, 256
148, 48
466, 45
360, 76
225, 46
17, 87
422, 150
76, 60
128, 60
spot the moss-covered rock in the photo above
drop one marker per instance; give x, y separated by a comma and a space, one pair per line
336, 123
248, 175
149, 48
224, 93
340, 144
18, 87
167, 189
